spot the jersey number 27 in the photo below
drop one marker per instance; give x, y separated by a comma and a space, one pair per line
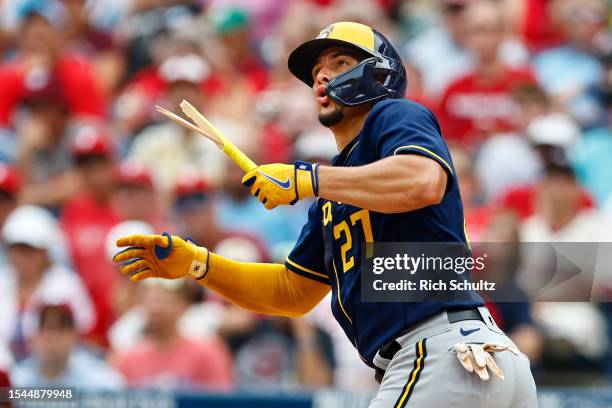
342, 231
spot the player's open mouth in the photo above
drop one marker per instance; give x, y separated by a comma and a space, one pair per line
322, 97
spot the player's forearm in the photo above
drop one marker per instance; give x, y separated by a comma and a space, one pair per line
263, 288
392, 185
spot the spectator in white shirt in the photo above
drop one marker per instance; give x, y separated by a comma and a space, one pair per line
31, 278
58, 361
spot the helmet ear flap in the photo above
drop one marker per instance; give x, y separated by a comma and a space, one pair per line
397, 79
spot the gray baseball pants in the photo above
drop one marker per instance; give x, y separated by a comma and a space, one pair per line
426, 373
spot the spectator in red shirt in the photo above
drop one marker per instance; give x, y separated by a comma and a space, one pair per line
40, 57
478, 104
88, 216
164, 358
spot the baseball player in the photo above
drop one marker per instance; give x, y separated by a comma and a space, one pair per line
393, 181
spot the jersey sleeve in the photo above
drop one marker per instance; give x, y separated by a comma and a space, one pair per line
307, 256
408, 128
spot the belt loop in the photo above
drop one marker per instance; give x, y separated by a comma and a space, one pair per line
488, 319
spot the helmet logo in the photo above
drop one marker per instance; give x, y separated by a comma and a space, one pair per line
326, 31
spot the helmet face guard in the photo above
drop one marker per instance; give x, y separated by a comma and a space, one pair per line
369, 81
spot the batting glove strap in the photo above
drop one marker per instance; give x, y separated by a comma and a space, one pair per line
200, 264
306, 180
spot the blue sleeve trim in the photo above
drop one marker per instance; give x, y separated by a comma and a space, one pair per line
426, 152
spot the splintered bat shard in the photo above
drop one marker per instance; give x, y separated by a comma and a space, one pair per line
229, 148
208, 130
189, 125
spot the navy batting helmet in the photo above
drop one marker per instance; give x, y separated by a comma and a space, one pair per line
381, 75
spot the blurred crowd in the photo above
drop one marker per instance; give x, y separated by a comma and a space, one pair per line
522, 88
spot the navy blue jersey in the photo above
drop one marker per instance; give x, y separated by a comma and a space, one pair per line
329, 247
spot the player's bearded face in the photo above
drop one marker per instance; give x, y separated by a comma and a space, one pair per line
331, 63
331, 117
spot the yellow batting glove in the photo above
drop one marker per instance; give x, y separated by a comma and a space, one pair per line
160, 256
276, 184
